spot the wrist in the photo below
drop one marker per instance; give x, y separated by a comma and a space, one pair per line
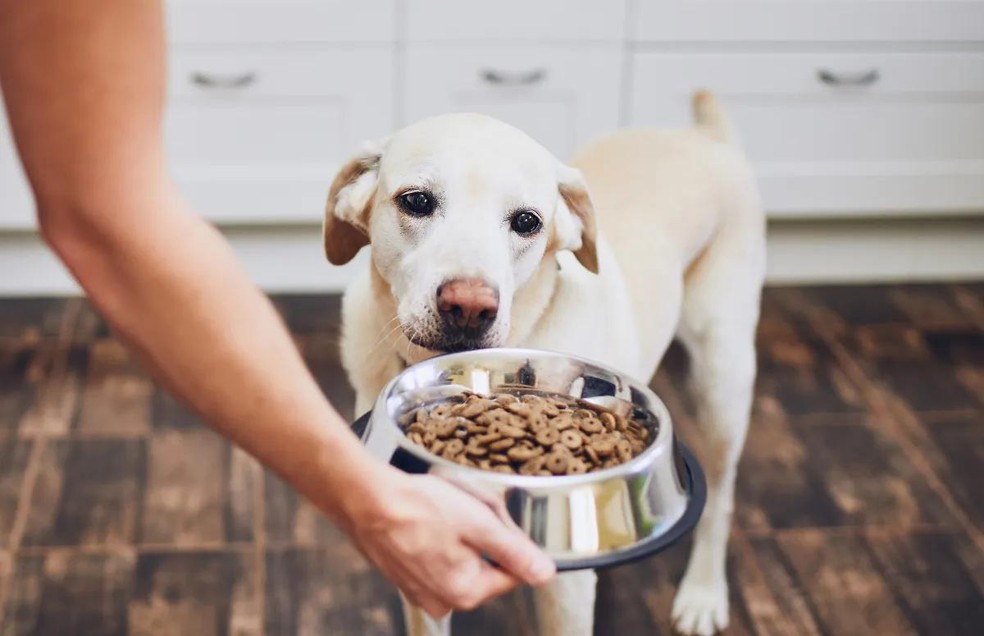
350, 486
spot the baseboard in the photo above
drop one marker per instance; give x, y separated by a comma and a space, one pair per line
289, 259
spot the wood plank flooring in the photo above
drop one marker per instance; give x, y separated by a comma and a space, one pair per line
859, 506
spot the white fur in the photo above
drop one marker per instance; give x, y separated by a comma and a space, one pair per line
680, 252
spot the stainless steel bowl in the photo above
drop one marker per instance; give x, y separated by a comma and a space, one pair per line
591, 520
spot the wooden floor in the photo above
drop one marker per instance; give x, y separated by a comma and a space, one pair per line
860, 507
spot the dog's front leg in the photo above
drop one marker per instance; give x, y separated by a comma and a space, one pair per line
565, 606
418, 623
723, 377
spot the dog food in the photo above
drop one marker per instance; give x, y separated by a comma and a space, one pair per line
526, 433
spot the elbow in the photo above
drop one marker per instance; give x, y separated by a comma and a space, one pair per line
76, 232
64, 227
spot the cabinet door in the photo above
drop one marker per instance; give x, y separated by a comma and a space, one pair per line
807, 20
561, 96
257, 136
838, 134
16, 201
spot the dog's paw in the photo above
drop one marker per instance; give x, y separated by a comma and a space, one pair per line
701, 609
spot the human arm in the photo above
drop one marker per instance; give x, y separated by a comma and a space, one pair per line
84, 86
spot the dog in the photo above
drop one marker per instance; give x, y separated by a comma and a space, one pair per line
479, 237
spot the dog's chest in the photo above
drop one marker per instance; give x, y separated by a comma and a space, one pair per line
592, 319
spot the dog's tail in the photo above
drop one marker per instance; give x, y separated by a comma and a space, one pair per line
710, 117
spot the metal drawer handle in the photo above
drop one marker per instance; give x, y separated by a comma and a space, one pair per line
867, 78
500, 78
209, 80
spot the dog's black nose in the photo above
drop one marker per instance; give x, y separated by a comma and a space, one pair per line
468, 306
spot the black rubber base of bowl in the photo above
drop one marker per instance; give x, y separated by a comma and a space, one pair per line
694, 484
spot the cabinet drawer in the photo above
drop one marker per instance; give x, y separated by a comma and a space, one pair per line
839, 133
272, 21
561, 96
259, 139
807, 20
515, 20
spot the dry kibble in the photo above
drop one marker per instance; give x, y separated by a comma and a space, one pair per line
476, 450
475, 408
452, 448
548, 437
532, 466
525, 433
556, 463
560, 448
442, 410
505, 399
563, 421
590, 425
514, 432
503, 444
570, 439
488, 439
593, 454
604, 447
549, 409
524, 452
519, 408
576, 467
623, 448
608, 420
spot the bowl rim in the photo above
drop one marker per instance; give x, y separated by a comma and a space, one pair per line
660, 448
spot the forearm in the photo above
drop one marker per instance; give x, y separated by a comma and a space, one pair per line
84, 86
172, 289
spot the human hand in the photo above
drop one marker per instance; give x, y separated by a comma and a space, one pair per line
428, 537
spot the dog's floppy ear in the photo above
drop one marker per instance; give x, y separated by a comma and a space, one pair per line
346, 227
575, 220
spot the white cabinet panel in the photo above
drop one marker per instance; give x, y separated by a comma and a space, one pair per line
807, 20
561, 96
257, 136
515, 20
16, 200
842, 133
273, 21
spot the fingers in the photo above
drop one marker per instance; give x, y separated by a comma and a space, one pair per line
495, 582
511, 549
466, 595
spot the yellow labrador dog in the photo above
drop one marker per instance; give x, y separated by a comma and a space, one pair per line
481, 238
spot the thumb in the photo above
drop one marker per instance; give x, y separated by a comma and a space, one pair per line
512, 550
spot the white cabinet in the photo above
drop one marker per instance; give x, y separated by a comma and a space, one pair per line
839, 133
516, 21
786, 21
846, 107
280, 21
560, 95
256, 136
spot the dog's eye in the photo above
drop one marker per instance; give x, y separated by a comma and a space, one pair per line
417, 203
525, 223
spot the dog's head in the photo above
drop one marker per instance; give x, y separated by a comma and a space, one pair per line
460, 211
